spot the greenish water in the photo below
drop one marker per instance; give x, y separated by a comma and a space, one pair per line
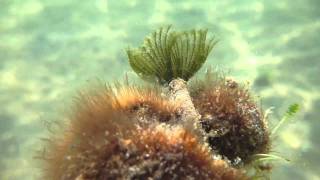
51, 49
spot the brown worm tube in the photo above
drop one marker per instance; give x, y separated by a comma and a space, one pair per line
178, 92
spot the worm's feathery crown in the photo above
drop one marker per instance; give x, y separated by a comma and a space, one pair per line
167, 55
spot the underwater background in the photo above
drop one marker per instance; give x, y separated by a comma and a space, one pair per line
50, 50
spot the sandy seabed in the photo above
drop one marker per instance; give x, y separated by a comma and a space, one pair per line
51, 49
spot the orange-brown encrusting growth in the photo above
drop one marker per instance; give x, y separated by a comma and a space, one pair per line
231, 119
146, 103
101, 142
93, 124
171, 152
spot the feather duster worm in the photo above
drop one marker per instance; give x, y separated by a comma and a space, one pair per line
174, 131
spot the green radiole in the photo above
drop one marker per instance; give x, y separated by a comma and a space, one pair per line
166, 55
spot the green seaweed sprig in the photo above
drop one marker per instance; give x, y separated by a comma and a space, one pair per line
261, 161
167, 55
292, 110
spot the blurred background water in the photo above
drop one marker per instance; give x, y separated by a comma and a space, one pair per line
50, 49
